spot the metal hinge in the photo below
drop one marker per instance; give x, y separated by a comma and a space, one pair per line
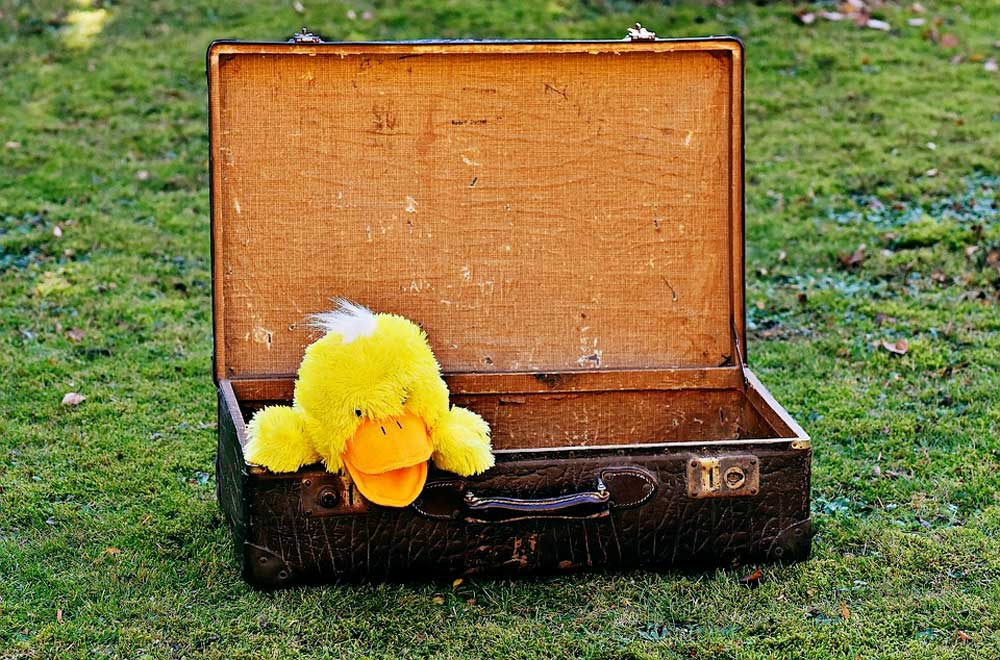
304, 36
741, 361
639, 33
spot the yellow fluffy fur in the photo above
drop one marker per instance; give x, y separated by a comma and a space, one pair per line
371, 366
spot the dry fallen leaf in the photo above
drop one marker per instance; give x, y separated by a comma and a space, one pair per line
853, 260
844, 612
438, 600
753, 579
112, 551
948, 41
993, 260
899, 347
59, 616
962, 636
457, 583
73, 399
75, 335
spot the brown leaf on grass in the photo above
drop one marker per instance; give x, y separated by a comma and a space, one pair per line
844, 612
457, 583
75, 335
917, 8
899, 347
438, 599
113, 551
962, 636
753, 580
948, 41
73, 399
853, 260
993, 260
59, 617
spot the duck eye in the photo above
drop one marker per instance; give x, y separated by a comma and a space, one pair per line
357, 412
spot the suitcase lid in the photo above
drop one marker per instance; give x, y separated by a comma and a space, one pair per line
535, 206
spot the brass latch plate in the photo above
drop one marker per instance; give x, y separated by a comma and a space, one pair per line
322, 495
736, 475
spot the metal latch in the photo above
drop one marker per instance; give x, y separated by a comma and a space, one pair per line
639, 33
304, 36
723, 476
322, 495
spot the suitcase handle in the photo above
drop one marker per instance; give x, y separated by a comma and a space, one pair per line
614, 488
577, 506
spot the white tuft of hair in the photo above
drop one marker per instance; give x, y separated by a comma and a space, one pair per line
349, 320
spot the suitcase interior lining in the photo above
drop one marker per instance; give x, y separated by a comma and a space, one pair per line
723, 408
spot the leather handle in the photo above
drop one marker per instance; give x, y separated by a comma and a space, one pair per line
577, 506
612, 488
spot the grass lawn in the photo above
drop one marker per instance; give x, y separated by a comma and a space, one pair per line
111, 542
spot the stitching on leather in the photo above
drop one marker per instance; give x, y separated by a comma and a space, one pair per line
431, 486
612, 474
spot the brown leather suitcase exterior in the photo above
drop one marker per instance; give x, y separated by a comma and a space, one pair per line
565, 219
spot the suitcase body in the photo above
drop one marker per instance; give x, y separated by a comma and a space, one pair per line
565, 219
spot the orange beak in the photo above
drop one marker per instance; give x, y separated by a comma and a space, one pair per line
387, 459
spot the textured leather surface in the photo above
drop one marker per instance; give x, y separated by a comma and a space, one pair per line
280, 546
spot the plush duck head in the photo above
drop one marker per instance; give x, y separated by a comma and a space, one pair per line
370, 398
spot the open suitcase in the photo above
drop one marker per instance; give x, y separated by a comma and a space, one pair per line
565, 219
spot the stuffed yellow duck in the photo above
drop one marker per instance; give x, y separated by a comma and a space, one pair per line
370, 398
